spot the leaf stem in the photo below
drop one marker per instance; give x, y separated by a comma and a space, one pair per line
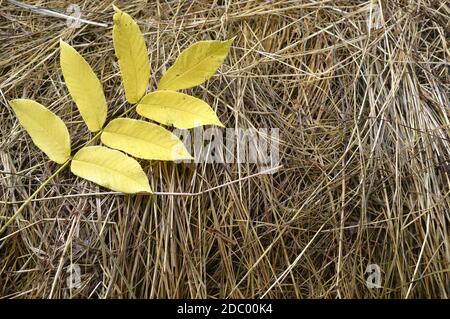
30, 198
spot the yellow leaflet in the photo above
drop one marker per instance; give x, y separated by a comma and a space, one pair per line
47, 130
131, 52
177, 109
84, 87
144, 140
195, 65
111, 169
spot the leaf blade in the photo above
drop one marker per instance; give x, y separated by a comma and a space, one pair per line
111, 169
84, 87
177, 109
195, 65
131, 52
46, 129
143, 140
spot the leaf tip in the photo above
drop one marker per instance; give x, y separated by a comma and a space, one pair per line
214, 120
183, 154
146, 190
12, 103
117, 14
15, 103
63, 43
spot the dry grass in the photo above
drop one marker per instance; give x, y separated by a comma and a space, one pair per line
362, 104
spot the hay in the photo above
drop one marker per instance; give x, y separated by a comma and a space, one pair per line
360, 93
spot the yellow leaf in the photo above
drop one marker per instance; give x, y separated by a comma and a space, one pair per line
131, 52
195, 65
84, 87
47, 130
144, 140
177, 109
111, 169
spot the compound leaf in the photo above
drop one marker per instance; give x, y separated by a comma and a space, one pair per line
131, 51
195, 65
144, 140
111, 169
177, 109
47, 130
84, 87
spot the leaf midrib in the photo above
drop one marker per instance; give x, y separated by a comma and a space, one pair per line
107, 169
44, 128
133, 60
191, 68
138, 138
178, 108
